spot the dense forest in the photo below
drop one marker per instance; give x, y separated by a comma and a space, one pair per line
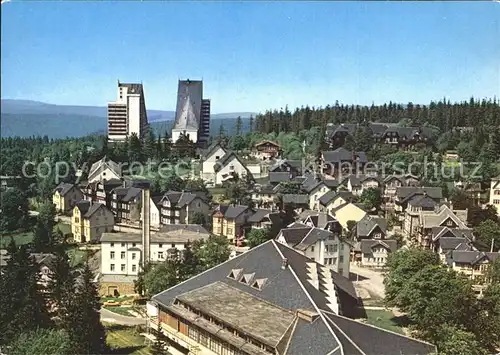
442, 114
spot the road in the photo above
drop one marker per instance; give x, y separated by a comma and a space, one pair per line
112, 317
371, 280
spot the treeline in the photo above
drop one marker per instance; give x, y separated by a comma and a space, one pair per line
442, 114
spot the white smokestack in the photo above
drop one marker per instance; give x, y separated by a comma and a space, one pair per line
146, 230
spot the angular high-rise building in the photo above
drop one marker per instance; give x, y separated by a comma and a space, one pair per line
127, 114
192, 114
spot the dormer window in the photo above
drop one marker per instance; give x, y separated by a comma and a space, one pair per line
235, 274
247, 278
259, 284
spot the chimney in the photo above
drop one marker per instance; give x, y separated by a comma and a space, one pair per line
146, 222
284, 264
308, 316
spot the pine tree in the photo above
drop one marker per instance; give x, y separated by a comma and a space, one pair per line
23, 306
88, 335
61, 288
239, 125
159, 346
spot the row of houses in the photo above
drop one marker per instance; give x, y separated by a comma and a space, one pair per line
392, 134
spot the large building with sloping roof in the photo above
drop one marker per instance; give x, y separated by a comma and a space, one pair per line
192, 113
271, 300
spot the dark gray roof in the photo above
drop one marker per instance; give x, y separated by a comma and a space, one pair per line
259, 215
93, 209
470, 257
442, 232
447, 244
341, 154
290, 289
287, 165
312, 237
407, 191
212, 149
63, 188
232, 212
294, 235
298, 199
83, 206
368, 244
331, 196
275, 177
368, 223
132, 193
103, 164
422, 201
319, 219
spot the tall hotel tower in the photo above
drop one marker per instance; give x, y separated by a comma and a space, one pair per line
127, 114
192, 114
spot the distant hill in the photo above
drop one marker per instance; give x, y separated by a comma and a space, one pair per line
26, 118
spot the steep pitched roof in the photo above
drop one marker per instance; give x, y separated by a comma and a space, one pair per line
187, 118
341, 154
331, 196
432, 219
103, 164
188, 108
289, 283
368, 223
471, 257
259, 215
83, 206
63, 188
368, 244
93, 209
278, 176
405, 192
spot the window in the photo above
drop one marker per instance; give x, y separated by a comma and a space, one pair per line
341, 271
160, 255
217, 157
312, 249
193, 334
123, 244
173, 245
112, 267
133, 244
134, 268
122, 255
231, 167
133, 256
112, 244
335, 248
122, 267
230, 231
112, 255
341, 259
341, 246
160, 245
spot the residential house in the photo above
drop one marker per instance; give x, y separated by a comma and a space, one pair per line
228, 166
126, 204
370, 227
341, 162
65, 196
45, 263
374, 252
323, 245
100, 191
474, 264
213, 154
122, 253
266, 150
231, 221
356, 184
415, 205
318, 188
104, 169
445, 240
421, 227
337, 134
292, 306
406, 193
180, 207
265, 196
392, 183
293, 167
495, 193
320, 220
407, 137
7, 182
90, 220
333, 199
266, 219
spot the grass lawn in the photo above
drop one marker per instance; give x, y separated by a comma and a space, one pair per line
384, 319
21, 238
123, 340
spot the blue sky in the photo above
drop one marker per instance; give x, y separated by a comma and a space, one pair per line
251, 55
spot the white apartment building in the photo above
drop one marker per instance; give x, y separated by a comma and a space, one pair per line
121, 253
127, 115
320, 245
495, 193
